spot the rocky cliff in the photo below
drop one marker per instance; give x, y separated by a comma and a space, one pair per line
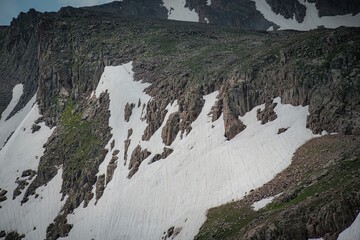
62, 55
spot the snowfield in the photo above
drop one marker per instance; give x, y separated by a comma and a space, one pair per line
22, 152
178, 11
8, 126
352, 232
205, 170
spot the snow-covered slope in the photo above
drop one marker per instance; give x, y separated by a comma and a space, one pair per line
8, 126
204, 170
352, 232
178, 11
311, 21
22, 152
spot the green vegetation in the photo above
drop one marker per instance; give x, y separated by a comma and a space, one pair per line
226, 221
77, 140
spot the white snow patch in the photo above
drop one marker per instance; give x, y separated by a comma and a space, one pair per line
208, 2
206, 20
17, 92
205, 170
10, 125
271, 28
263, 202
178, 11
311, 21
23, 152
352, 232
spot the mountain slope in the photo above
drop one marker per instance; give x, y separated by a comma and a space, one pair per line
315, 197
145, 124
244, 14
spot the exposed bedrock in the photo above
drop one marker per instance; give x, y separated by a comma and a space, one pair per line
137, 156
171, 129
18, 59
333, 7
267, 114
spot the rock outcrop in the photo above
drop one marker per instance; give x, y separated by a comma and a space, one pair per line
18, 59
137, 156
171, 129
166, 152
128, 111
267, 114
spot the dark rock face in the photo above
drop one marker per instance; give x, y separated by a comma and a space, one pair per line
235, 104
166, 152
35, 128
138, 8
137, 156
190, 106
110, 169
14, 236
100, 186
288, 9
171, 129
241, 14
155, 114
267, 114
18, 59
128, 111
21, 186
282, 130
333, 7
28, 173
60, 228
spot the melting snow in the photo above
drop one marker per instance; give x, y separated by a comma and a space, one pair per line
178, 11
23, 152
311, 21
352, 232
8, 126
263, 202
205, 170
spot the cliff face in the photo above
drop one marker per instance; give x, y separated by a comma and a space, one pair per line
330, 7
19, 59
244, 14
62, 56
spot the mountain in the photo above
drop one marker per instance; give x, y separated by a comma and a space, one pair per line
245, 14
115, 125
